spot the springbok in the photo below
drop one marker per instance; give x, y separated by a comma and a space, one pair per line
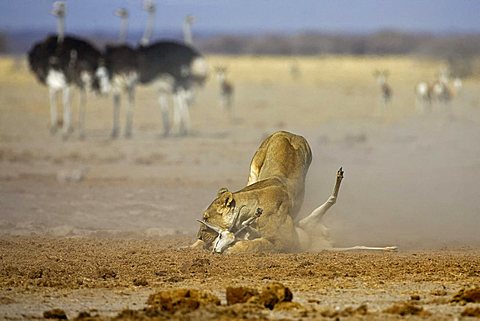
385, 89
226, 90
423, 96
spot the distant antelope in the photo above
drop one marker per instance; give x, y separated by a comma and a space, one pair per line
386, 91
441, 91
295, 70
457, 85
423, 95
226, 89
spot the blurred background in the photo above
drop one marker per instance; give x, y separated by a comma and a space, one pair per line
344, 74
445, 28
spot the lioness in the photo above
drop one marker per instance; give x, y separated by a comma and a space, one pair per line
261, 216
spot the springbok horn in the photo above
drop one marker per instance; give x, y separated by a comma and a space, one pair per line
235, 218
212, 227
250, 220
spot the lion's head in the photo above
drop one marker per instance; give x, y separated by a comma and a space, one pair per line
219, 213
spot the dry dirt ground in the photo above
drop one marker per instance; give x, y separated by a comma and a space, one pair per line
94, 227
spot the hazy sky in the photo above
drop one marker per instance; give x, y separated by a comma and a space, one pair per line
253, 15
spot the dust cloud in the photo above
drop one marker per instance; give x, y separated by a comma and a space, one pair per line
414, 184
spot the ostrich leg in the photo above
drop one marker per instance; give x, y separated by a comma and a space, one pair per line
185, 112
82, 114
162, 100
176, 112
129, 121
116, 114
67, 112
53, 110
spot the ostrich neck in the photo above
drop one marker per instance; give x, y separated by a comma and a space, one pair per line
147, 35
60, 29
122, 37
187, 33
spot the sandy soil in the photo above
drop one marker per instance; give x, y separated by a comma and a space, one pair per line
96, 226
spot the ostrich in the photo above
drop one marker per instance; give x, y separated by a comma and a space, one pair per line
187, 29
60, 62
385, 88
167, 65
119, 72
173, 68
226, 89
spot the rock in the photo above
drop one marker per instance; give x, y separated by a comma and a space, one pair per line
240, 295
274, 293
184, 300
406, 308
467, 295
471, 312
104, 273
140, 282
55, 314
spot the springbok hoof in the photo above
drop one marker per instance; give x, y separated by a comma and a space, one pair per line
391, 248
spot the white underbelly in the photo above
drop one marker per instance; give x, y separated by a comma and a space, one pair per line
124, 80
56, 79
164, 82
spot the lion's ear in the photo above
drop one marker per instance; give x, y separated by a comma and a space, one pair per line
229, 201
226, 199
221, 191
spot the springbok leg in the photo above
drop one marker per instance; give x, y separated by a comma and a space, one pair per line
316, 216
364, 248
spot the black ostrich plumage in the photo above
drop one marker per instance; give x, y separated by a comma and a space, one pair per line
120, 59
72, 56
170, 58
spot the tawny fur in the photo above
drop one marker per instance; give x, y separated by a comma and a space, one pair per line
277, 185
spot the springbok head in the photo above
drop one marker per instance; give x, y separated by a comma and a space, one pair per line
221, 72
381, 76
228, 236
